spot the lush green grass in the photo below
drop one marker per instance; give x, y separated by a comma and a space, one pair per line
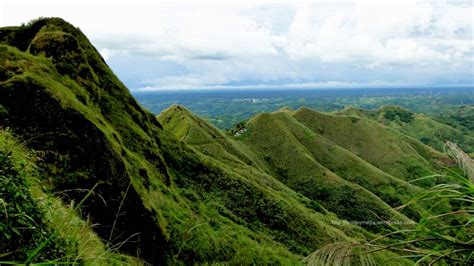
382, 146
22, 224
341, 196
36, 225
278, 145
422, 127
266, 196
440, 238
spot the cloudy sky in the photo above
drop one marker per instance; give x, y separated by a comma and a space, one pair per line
157, 45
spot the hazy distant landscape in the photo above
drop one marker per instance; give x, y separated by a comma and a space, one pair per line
225, 108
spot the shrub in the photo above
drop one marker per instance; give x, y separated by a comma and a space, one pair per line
403, 115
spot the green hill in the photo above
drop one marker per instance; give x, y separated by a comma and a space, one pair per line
266, 152
386, 148
422, 127
329, 156
319, 169
459, 117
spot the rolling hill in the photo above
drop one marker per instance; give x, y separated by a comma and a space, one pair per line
388, 149
422, 127
278, 145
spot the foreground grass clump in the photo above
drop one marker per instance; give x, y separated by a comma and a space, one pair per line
445, 238
22, 223
36, 227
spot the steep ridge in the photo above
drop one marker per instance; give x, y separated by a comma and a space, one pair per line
290, 154
391, 151
155, 197
195, 131
334, 158
239, 161
86, 126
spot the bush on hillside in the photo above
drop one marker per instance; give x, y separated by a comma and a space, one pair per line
403, 115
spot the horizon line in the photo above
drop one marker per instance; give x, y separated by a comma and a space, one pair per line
290, 87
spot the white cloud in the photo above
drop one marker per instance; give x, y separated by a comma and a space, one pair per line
224, 43
381, 33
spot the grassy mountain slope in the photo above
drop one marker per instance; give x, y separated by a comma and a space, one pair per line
237, 160
276, 138
278, 145
155, 197
197, 132
78, 122
460, 117
348, 166
386, 148
422, 127
33, 217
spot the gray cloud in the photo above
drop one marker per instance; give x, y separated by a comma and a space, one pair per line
350, 42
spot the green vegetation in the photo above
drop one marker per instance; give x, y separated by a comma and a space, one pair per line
444, 237
226, 108
22, 227
37, 226
388, 149
460, 117
89, 176
398, 114
88, 130
422, 127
